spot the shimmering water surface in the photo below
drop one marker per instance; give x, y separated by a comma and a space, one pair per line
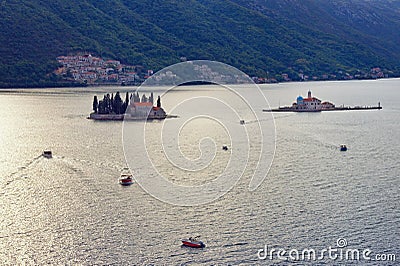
71, 210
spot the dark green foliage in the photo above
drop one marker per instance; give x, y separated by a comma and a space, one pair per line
95, 104
158, 101
114, 104
260, 37
105, 105
118, 104
136, 97
127, 98
102, 108
144, 99
126, 103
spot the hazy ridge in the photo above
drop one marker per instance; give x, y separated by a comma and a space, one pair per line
261, 37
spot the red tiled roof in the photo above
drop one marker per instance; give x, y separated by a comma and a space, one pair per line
310, 99
143, 104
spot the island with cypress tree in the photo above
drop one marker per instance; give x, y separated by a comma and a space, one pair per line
133, 108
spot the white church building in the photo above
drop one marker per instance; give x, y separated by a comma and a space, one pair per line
311, 104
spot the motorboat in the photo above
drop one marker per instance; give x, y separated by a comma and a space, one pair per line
126, 178
193, 242
343, 147
47, 154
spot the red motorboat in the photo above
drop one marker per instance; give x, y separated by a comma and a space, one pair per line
126, 180
193, 243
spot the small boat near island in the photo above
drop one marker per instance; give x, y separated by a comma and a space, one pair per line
126, 178
313, 104
47, 154
193, 242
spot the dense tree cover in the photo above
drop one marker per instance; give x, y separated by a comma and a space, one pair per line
111, 104
260, 37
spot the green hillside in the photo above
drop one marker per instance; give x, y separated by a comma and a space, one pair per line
260, 37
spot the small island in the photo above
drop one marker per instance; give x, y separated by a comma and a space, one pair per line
133, 108
313, 104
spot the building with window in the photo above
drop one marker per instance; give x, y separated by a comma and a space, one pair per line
311, 104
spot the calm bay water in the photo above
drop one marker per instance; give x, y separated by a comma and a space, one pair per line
71, 210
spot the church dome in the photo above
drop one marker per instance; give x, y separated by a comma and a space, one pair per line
300, 100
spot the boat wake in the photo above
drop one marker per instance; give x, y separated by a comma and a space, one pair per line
76, 165
16, 174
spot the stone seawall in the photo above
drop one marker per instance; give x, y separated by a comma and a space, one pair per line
95, 116
343, 108
120, 117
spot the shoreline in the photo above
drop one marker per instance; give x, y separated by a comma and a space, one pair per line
342, 108
72, 85
124, 117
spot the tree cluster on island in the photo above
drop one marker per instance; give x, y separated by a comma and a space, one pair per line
111, 104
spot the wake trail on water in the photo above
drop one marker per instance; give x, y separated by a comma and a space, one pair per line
22, 172
10, 178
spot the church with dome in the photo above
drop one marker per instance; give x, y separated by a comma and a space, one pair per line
311, 104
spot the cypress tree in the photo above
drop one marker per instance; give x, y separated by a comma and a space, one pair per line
95, 104
126, 102
151, 99
101, 107
108, 101
112, 103
144, 99
118, 103
159, 101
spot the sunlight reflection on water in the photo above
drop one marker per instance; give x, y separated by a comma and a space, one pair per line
71, 210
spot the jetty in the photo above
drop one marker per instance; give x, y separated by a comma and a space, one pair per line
313, 104
341, 108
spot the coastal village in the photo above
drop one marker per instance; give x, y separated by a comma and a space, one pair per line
91, 70
88, 69
374, 73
